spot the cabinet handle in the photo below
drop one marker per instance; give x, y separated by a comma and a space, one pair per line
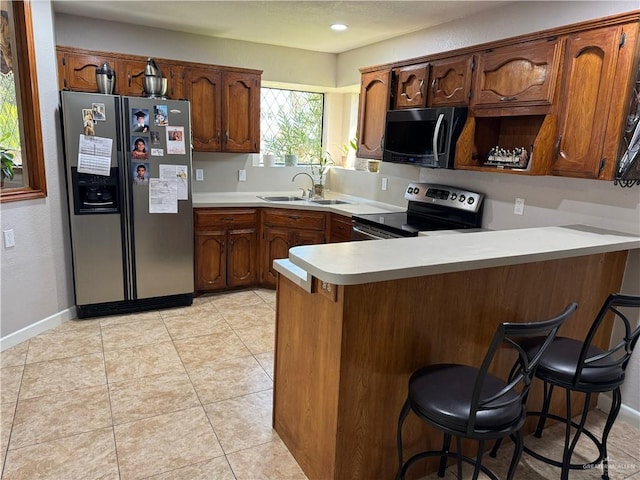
227, 219
226, 136
421, 87
434, 83
129, 79
508, 99
294, 217
218, 136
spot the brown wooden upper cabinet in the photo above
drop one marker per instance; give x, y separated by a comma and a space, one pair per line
518, 75
225, 110
225, 101
589, 113
451, 81
411, 86
375, 94
77, 71
131, 78
241, 112
203, 87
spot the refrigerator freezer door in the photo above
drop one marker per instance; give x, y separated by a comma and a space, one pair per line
162, 242
94, 205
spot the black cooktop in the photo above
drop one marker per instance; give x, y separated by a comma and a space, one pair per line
404, 223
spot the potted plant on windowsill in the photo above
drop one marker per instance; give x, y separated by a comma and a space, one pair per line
6, 156
289, 140
319, 170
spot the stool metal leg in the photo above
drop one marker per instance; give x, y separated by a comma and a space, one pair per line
517, 453
616, 402
403, 415
548, 392
476, 469
446, 448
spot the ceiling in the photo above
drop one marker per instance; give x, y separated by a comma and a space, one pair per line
300, 24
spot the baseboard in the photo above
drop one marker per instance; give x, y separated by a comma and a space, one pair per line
37, 328
626, 414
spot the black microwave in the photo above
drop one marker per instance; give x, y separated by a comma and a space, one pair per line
425, 137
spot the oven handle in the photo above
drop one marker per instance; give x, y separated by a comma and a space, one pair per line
366, 234
436, 135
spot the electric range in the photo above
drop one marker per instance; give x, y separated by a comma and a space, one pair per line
431, 207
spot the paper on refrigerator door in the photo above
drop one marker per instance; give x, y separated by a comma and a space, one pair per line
163, 195
94, 155
179, 172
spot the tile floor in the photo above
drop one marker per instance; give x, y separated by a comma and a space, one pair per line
176, 394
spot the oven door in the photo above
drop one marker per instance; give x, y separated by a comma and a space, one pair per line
360, 231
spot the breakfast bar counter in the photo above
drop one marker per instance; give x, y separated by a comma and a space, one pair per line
354, 320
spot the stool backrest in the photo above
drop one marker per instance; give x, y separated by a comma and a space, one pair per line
619, 353
517, 386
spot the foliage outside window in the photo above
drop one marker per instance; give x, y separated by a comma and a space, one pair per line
23, 174
291, 124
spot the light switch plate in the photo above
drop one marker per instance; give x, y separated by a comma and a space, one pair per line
384, 184
518, 207
242, 175
9, 238
199, 175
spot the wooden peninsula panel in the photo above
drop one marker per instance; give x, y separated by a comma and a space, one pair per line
342, 366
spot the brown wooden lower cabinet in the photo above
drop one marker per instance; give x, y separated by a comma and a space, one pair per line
236, 247
340, 229
284, 229
342, 365
226, 248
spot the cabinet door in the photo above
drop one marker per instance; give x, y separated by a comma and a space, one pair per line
340, 228
77, 72
241, 258
210, 260
275, 245
241, 112
374, 103
523, 74
131, 82
411, 86
203, 89
589, 68
451, 81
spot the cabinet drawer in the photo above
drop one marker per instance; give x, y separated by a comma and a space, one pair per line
222, 218
295, 218
340, 228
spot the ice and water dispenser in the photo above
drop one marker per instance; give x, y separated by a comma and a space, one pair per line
95, 193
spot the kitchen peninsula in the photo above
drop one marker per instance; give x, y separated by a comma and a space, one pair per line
354, 320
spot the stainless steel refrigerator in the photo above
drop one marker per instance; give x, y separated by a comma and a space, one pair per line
128, 172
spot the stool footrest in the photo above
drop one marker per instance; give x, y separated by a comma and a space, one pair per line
572, 466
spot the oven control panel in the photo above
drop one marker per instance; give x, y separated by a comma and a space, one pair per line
444, 195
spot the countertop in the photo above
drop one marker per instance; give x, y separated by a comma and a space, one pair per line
356, 205
353, 263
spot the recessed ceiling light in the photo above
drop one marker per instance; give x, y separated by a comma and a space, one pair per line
339, 27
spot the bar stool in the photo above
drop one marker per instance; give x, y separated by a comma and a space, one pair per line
579, 366
469, 402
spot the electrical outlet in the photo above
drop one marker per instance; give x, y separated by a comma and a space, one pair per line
384, 184
518, 207
199, 175
242, 175
9, 238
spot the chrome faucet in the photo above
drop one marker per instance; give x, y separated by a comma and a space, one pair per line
310, 191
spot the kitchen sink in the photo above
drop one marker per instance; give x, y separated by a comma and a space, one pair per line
281, 198
329, 202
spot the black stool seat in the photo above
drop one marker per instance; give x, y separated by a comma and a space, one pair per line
469, 402
580, 366
560, 365
444, 394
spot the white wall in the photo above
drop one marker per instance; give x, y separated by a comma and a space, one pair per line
36, 273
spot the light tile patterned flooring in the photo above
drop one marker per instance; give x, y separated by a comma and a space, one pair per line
177, 394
